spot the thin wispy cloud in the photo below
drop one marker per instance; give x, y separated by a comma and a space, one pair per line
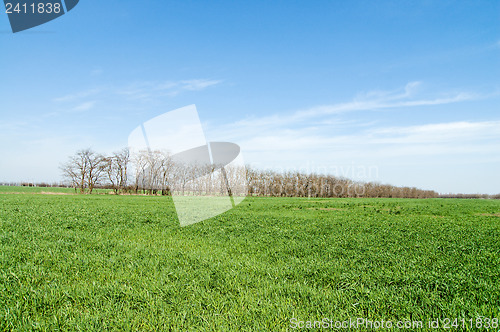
141, 91
409, 90
77, 96
460, 128
196, 85
153, 90
96, 72
405, 97
377, 100
454, 133
14, 126
84, 106
134, 94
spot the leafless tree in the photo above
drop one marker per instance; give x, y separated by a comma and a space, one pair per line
269, 183
96, 166
116, 169
84, 170
72, 174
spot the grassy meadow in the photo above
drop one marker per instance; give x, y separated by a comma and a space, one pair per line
106, 262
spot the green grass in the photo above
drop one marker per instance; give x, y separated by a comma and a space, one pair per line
105, 262
34, 190
46, 190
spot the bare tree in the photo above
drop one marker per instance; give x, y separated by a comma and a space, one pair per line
76, 169
84, 170
116, 169
140, 162
95, 170
71, 173
269, 183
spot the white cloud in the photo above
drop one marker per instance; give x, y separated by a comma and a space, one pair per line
456, 132
409, 90
78, 95
151, 90
14, 126
142, 91
96, 72
196, 85
367, 141
379, 100
371, 101
85, 106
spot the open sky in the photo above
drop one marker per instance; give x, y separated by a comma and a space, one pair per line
399, 92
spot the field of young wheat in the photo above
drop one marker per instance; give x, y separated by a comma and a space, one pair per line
94, 262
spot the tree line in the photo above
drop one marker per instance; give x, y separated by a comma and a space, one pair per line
158, 173
88, 169
150, 172
297, 184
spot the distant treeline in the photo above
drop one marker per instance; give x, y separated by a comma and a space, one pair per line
157, 173
35, 184
381, 191
297, 184
470, 196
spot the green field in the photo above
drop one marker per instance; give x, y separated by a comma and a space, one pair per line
44, 190
106, 262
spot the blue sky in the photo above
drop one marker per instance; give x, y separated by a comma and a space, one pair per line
400, 92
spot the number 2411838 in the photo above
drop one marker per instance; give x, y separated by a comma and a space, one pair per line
39, 8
